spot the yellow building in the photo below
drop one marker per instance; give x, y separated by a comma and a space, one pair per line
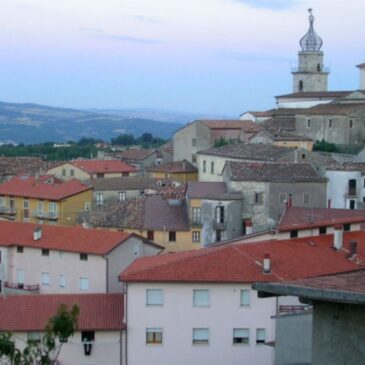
92, 169
44, 199
181, 171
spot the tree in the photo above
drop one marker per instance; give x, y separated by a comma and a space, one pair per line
325, 146
44, 352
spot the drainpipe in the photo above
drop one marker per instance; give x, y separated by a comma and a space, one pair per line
338, 237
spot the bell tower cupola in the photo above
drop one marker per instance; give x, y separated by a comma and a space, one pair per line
310, 74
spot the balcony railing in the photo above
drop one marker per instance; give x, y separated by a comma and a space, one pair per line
352, 192
45, 215
293, 308
7, 210
196, 223
219, 225
20, 286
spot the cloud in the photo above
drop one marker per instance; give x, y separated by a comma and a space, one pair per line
147, 20
269, 4
124, 38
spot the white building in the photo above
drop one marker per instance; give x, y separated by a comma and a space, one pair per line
52, 259
198, 307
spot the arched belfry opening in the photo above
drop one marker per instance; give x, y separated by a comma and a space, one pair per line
300, 86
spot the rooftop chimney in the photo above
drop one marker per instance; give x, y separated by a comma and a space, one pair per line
267, 264
338, 237
353, 250
37, 234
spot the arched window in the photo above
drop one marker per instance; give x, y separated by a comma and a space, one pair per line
300, 86
318, 67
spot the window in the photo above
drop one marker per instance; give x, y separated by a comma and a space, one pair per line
83, 256
218, 235
63, 172
99, 199
308, 123
293, 234
352, 188
352, 204
2, 201
154, 297
219, 214
200, 336
303, 156
62, 281
212, 167
260, 336
306, 198
193, 142
193, 159
84, 283
300, 86
0, 256
196, 215
259, 197
322, 230
45, 278
26, 204
329, 123
40, 207
318, 67
53, 209
100, 175
204, 166
34, 337
72, 172
125, 173
45, 252
20, 276
196, 236
282, 198
172, 236
347, 227
351, 123
150, 235
122, 196
201, 298
154, 336
87, 206
245, 297
19, 249
241, 336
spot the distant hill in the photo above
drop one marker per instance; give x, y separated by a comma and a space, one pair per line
32, 123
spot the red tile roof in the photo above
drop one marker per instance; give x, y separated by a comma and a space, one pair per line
137, 153
175, 167
245, 125
316, 94
71, 239
290, 260
103, 166
44, 187
301, 218
31, 312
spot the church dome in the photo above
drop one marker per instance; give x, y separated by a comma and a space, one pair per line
311, 42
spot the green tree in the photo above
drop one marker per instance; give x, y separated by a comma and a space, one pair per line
325, 146
44, 352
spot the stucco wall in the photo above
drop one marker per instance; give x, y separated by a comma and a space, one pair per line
178, 317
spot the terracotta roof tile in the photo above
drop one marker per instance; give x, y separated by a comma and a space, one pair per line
242, 263
71, 239
103, 166
43, 187
331, 109
22, 165
301, 218
124, 183
174, 167
137, 153
210, 190
31, 312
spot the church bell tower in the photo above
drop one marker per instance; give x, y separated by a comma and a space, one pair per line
310, 74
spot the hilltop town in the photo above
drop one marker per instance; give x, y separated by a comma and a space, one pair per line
238, 241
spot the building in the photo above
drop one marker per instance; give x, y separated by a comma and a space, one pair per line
119, 189
44, 199
204, 134
50, 259
214, 212
206, 294
338, 308
91, 169
100, 328
268, 187
181, 171
141, 158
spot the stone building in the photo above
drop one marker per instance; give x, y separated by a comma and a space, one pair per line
268, 187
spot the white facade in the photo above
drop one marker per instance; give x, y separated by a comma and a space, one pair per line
298, 103
177, 317
339, 195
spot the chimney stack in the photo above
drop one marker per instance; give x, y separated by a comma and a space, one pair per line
338, 237
37, 234
267, 264
353, 250
249, 227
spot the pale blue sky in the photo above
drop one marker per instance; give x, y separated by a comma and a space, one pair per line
206, 56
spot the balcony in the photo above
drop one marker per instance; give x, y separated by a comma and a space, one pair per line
221, 226
18, 288
352, 192
45, 215
196, 223
7, 210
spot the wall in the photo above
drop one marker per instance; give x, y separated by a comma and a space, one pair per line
58, 262
293, 339
113, 196
124, 255
106, 349
182, 177
78, 173
338, 333
72, 206
178, 317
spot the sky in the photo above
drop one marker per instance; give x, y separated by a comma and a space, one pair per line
219, 57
